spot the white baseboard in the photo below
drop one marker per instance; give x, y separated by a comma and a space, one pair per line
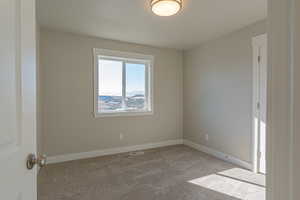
218, 154
111, 151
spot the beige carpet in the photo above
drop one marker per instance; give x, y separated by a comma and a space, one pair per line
170, 173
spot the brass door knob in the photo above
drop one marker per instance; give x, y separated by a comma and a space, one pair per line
32, 160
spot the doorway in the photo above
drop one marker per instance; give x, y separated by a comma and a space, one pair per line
259, 117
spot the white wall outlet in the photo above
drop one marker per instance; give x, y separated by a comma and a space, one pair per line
121, 136
206, 137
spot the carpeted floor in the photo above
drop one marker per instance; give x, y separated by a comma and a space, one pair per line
170, 173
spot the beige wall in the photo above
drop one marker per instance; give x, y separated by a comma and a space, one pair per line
218, 92
217, 95
66, 87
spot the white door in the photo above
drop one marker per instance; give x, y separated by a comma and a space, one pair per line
17, 99
260, 100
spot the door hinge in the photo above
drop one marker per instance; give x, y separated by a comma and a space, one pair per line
259, 59
259, 154
258, 105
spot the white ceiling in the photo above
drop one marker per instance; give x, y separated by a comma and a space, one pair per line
133, 21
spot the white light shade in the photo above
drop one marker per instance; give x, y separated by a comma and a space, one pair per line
166, 7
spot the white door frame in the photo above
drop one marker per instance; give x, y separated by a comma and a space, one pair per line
283, 110
257, 42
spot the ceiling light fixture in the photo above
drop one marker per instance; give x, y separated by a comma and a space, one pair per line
166, 7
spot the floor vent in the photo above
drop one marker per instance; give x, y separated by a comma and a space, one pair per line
136, 153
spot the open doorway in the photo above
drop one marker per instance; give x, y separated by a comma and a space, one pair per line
259, 102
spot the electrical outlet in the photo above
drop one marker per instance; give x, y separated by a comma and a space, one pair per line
121, 136
206, 137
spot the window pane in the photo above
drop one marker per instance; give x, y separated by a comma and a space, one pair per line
135, 86
110, 85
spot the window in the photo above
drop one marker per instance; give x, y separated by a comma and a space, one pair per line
122, 83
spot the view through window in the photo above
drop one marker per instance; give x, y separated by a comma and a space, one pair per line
123, 85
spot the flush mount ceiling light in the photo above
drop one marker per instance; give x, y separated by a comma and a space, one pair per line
166, 7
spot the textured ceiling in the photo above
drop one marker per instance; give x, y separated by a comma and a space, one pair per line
133, 21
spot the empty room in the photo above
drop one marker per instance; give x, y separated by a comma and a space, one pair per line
148, 100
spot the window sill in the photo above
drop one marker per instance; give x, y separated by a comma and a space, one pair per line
123, 114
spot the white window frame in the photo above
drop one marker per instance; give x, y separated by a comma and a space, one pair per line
125, 57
